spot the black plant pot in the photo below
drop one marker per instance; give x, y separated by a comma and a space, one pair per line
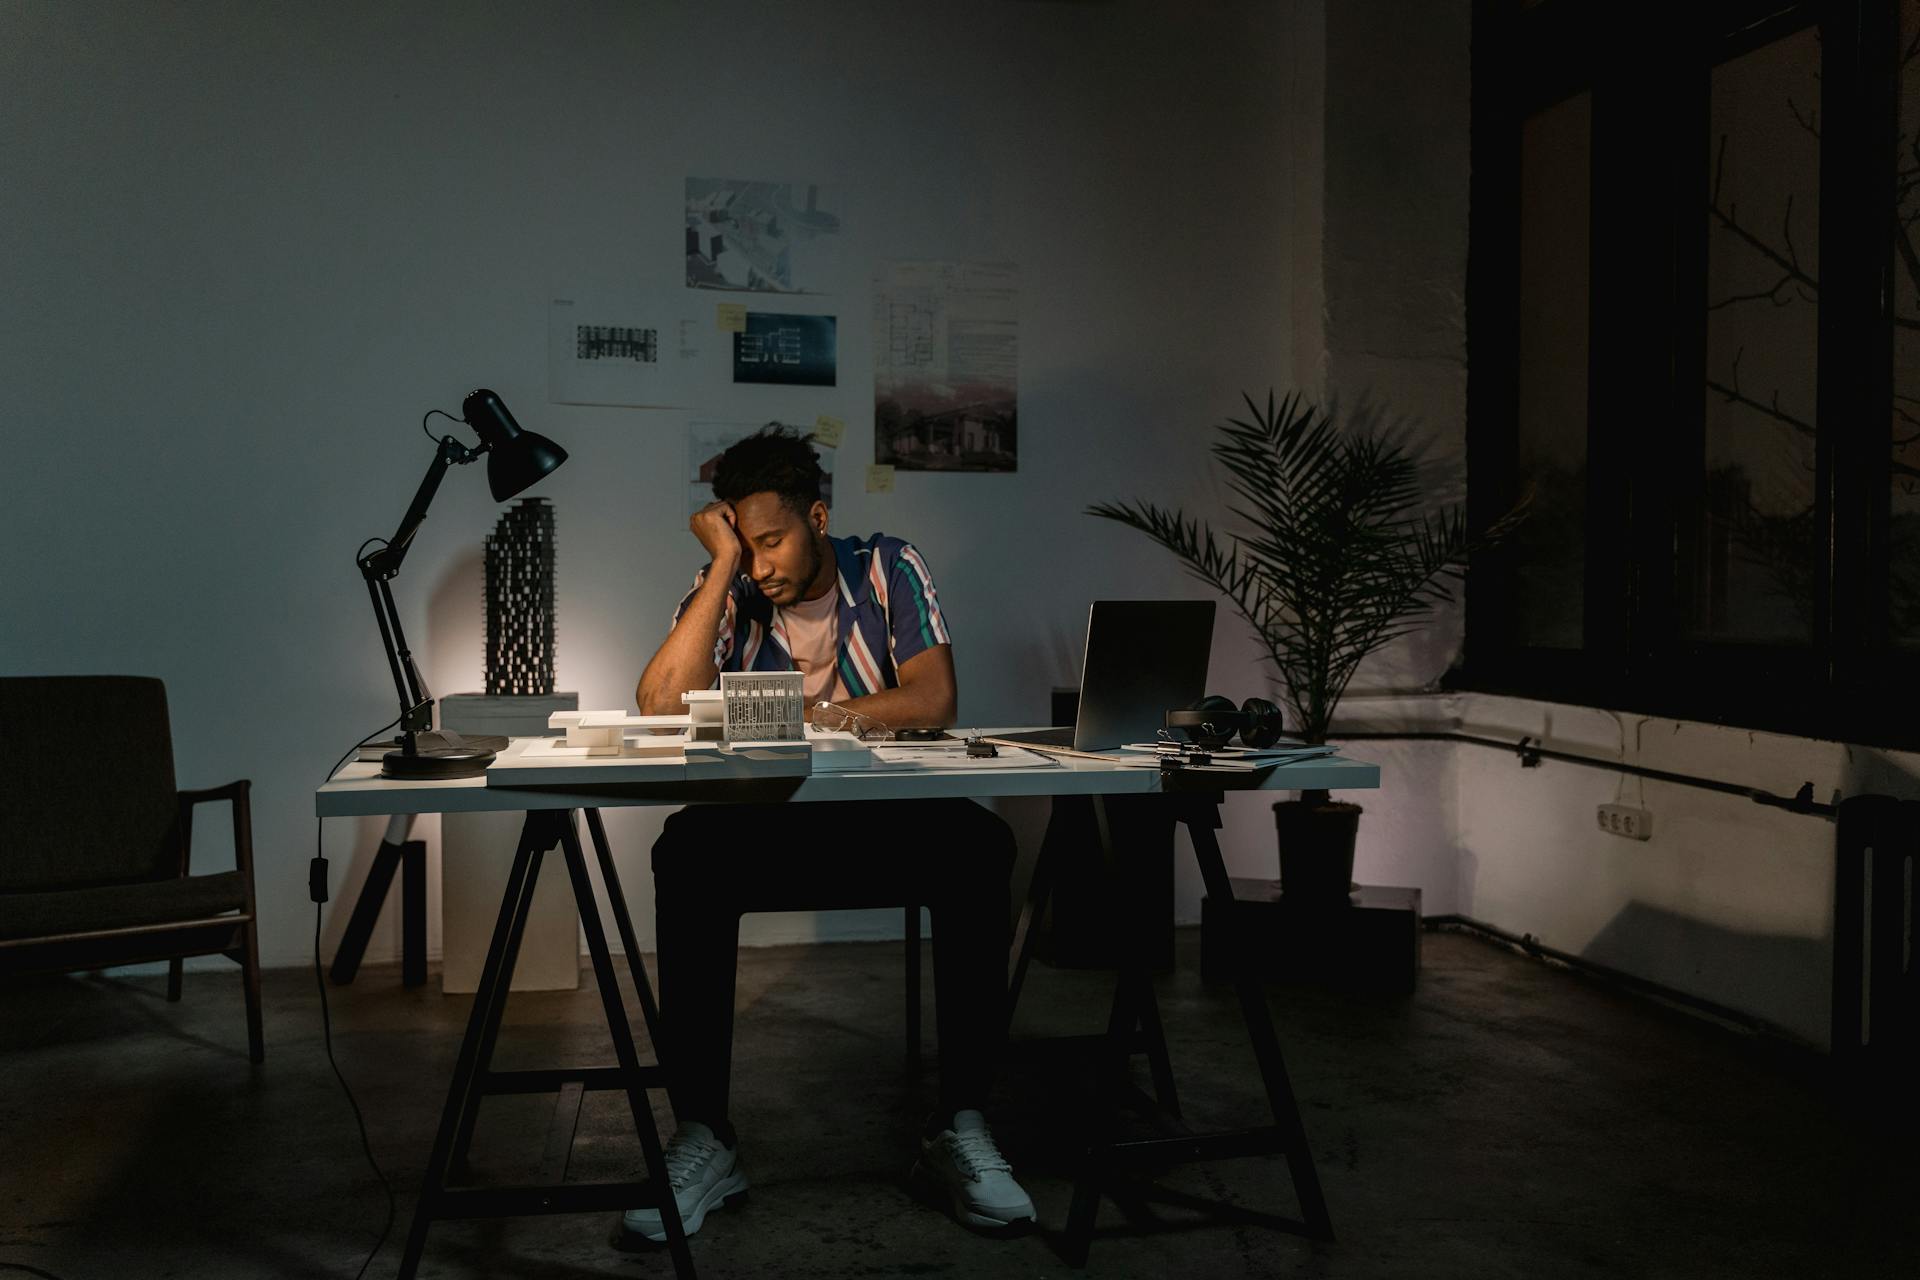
1316, 848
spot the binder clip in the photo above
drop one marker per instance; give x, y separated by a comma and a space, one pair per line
1177, 753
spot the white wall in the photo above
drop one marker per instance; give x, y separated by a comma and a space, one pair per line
248, 246
1729, 900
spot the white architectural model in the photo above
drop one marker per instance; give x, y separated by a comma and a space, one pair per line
763, 706
606, 733
616, 747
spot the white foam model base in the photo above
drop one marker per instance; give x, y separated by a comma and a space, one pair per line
542, 762
833, 752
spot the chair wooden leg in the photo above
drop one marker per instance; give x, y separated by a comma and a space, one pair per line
250, 976
175, 967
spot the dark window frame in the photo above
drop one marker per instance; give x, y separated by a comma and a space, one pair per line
1648, 69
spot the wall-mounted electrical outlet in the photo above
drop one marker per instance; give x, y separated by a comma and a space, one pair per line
1625, 820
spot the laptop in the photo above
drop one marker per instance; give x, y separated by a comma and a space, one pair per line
1144, 658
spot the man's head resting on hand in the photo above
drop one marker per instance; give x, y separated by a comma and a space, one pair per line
772, 481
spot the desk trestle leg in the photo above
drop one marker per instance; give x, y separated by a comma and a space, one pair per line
1136, 1012
409, 858
474, 1078
623, 921
1202, 822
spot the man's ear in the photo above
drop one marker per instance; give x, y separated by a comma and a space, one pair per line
817, 518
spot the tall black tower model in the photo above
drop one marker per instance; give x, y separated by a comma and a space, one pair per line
520, 600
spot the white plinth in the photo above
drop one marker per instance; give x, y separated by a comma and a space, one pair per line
476, 855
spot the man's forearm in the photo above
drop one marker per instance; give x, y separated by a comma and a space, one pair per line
927, 696
685, 659
905, 707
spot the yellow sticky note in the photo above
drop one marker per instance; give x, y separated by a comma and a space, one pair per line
879, 479
733, 317
829, 431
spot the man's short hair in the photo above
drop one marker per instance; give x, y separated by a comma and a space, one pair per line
775, 459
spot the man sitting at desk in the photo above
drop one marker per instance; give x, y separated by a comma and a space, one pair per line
860, 620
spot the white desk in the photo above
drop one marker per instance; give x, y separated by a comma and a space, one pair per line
358, 790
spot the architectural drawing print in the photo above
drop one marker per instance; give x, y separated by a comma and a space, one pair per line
623, 346
766, 237
616, 342
795, 350
946, 356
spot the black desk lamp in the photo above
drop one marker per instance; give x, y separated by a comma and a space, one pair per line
515, 459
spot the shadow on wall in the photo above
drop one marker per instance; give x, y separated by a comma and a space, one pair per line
454, 659
1869, 771
1718, 964
1466, 874
1406, 827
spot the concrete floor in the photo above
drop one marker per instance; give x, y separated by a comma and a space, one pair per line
1508, 1120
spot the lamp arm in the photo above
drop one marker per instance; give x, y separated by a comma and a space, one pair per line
385, 562
416, 703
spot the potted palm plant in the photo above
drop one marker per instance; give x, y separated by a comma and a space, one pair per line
1341, 553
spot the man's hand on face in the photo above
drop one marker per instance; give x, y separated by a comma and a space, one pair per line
719, 532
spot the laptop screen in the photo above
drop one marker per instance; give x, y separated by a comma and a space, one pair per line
1144, 658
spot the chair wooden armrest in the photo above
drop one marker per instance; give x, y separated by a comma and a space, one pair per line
239, 794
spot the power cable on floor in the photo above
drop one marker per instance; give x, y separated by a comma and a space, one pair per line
317, 889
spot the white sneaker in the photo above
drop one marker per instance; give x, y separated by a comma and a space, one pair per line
961, 1169
705, 1174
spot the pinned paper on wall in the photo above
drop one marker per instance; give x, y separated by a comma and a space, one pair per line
787, 349
731, 317
829, 431
621, 348
706, 441
767, 237
946, 349
879, 479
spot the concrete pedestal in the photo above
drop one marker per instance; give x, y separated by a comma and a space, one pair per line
476, 853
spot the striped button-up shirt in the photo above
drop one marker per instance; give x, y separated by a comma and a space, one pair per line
888, 614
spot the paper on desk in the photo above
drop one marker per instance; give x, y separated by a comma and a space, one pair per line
1132, 760
956, 757
1284, 751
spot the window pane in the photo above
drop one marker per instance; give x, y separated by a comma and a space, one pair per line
1904, 530
1748, 573
1555, 205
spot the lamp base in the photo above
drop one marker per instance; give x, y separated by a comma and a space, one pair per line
436, 762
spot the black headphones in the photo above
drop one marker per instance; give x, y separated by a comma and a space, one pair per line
1214, 720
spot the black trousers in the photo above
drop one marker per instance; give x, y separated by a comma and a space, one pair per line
714, 862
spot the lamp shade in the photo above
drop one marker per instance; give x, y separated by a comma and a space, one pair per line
515, 457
